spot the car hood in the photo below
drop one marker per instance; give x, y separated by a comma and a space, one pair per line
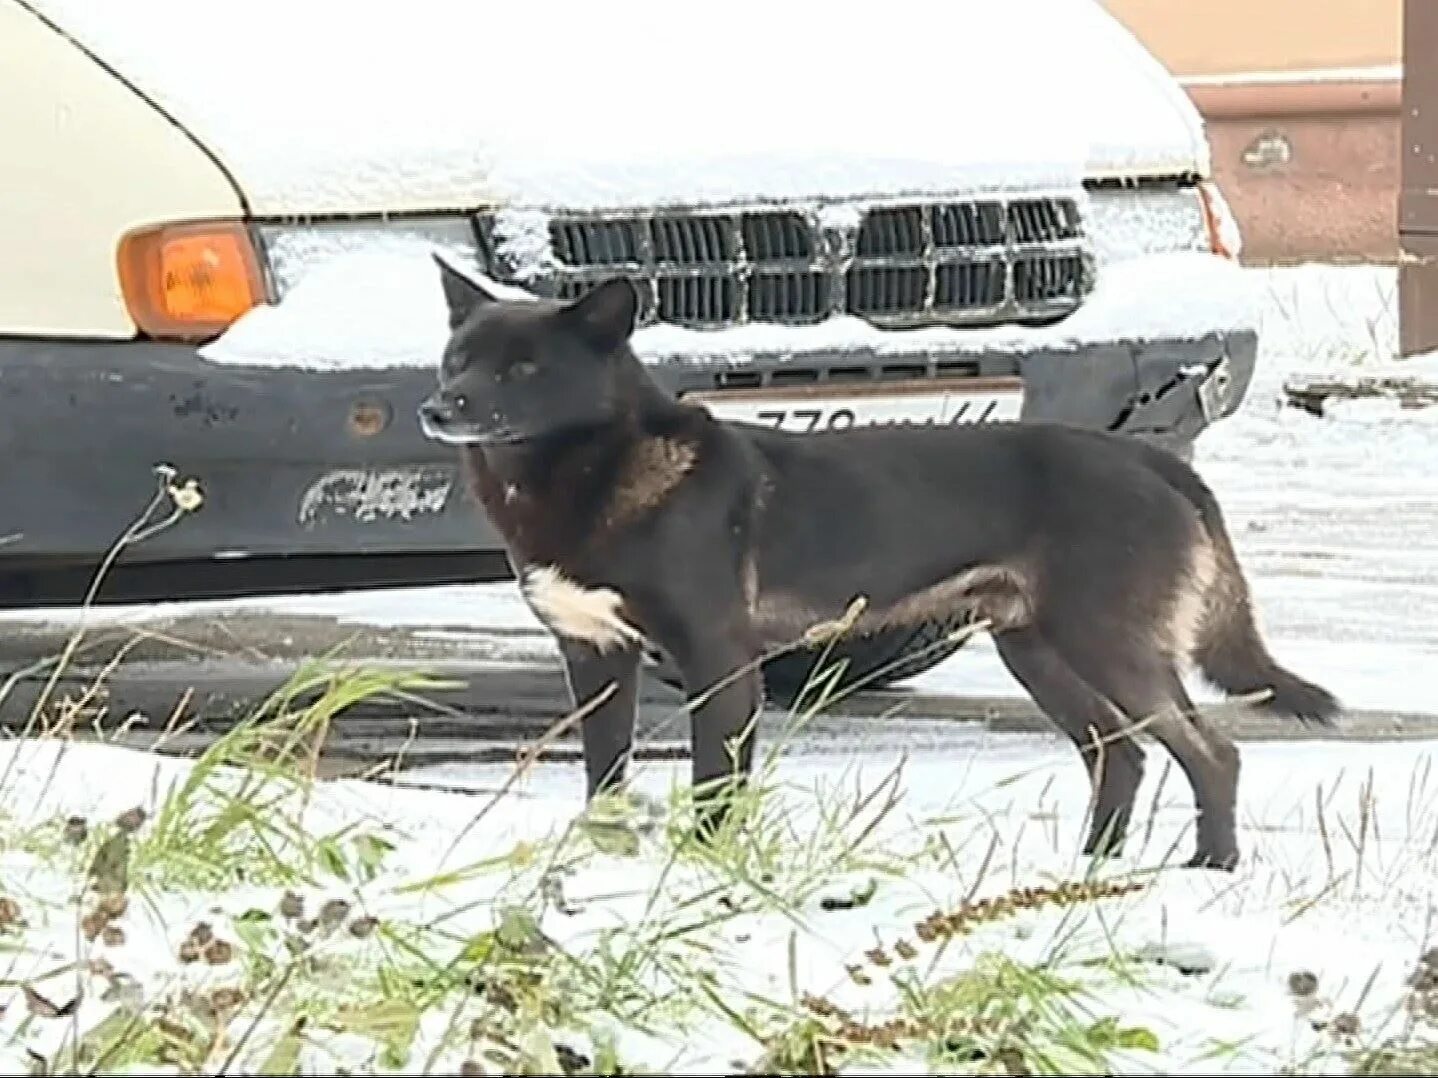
319, 107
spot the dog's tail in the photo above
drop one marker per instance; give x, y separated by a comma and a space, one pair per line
1229, 649
1231, 654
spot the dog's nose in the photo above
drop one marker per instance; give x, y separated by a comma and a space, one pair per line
436, 411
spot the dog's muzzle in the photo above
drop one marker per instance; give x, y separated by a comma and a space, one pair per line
441, 422
435, 411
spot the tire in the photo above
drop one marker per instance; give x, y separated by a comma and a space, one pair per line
877, 660
869, 662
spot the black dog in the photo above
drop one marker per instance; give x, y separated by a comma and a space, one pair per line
1100, 562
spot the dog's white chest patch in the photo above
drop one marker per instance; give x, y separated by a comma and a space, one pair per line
593, 615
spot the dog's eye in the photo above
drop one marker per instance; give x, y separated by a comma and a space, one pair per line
460, 401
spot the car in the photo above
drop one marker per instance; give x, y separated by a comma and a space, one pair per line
215, 254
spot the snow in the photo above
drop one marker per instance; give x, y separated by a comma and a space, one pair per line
1418, 369
293, 250
1338, 881
379, 306
522, 240
384, 308
1129, 223
1320, 317
446, 104
840, 217
375, 308
1421, 367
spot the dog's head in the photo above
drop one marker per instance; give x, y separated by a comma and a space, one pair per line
518, 369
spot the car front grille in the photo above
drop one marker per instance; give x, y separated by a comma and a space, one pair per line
982, 262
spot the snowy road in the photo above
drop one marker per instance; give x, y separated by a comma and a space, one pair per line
1335, 518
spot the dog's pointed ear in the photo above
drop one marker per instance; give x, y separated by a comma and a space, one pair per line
606, 314
462, 294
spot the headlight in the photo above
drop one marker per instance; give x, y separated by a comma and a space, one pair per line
292, 250
1129, 222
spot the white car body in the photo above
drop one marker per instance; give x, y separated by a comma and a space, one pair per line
123, 113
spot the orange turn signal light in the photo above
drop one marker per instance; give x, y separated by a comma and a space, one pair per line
1223, 236
189, 281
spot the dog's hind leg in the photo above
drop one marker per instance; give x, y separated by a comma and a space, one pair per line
1209, 758
608, 729
1150, 692
1096, 726
1216, 760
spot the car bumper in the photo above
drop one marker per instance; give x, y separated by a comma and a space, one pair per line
1166, 390
294, 462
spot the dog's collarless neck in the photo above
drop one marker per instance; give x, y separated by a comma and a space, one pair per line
533, 462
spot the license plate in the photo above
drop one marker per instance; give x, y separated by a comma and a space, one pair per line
811, 408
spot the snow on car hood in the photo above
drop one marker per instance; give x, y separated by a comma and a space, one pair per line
321, 106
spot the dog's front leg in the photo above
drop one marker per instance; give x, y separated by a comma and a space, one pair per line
725, 690
608, 729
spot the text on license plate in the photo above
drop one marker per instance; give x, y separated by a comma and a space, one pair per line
808, 411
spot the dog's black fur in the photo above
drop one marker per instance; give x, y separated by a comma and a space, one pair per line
1101, 562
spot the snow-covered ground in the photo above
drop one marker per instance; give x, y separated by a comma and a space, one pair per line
1338, 882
